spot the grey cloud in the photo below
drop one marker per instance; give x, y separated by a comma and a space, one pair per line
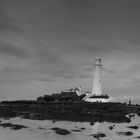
66, 71
134, 81
7, 23
50, 61
89, 69
46, 55
43, 65
99, 46
11, 50
44, 79
110, 71
86, 76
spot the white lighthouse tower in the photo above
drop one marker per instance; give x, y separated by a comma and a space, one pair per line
96, 95
97, 85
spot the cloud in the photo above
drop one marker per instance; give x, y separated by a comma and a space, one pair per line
86, 76
12, 50
134, 82
109, 71
7, 23
32, 61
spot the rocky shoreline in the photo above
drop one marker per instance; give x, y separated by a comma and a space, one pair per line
69, 111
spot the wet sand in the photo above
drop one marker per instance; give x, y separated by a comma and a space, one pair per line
42, 130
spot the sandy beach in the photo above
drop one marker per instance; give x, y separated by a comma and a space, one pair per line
43, 130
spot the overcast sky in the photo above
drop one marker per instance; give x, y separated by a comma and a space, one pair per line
49, 45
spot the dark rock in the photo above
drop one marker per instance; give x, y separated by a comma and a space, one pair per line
61, 131
126, 133
17, 127
12, 126
92, 123
6, 125
99, 135
70, 111
110, 127
133, 127
82, 128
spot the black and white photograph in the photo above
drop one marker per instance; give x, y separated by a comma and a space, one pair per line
69, 69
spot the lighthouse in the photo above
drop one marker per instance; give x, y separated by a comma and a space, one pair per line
97, 95
97, 81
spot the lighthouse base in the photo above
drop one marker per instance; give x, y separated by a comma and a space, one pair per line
99, 98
